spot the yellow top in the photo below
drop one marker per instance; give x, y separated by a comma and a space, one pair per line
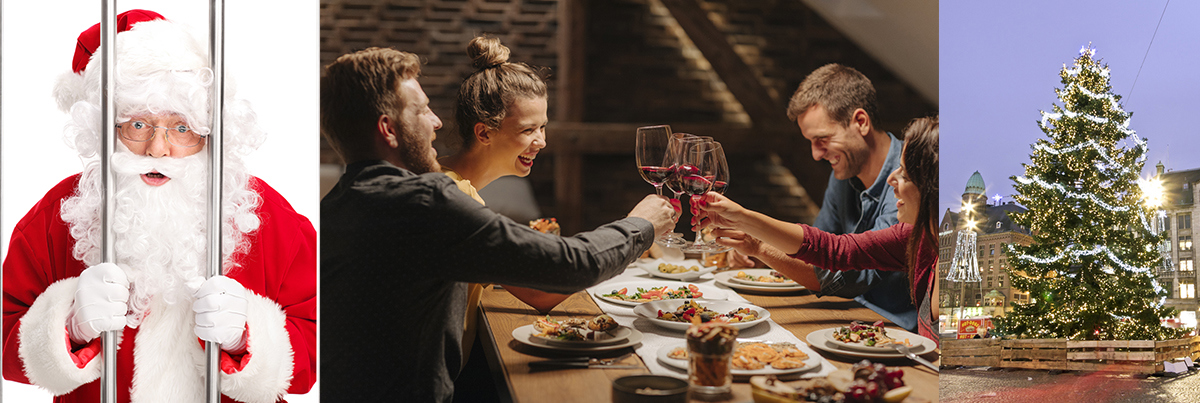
474, 290
463, 184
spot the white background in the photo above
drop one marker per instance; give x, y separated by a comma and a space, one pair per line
271, 52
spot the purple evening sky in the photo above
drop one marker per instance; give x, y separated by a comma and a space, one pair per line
999, 65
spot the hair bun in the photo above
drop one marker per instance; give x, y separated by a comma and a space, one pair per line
486, 52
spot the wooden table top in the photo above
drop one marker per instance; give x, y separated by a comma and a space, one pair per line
800, 313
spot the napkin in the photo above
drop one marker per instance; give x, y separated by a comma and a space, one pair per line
658, 337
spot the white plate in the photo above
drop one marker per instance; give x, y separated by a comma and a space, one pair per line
813, 360
895, 333
651, 268
620, 334
820, 340
524, 335
759, 272
649, 310
723, 278
707, 291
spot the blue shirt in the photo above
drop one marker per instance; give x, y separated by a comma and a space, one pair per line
849, 208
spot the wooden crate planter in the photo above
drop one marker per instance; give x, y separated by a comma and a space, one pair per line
1033, 353
971, 352
1128, 356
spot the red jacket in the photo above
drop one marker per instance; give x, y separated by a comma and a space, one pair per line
279, 268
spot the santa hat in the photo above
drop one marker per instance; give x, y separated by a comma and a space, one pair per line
160, 67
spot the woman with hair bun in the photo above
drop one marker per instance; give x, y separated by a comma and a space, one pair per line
501, 116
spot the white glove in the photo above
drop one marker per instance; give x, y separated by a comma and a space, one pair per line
101, 301
220, 309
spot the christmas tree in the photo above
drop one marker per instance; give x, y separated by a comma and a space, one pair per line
1088, 271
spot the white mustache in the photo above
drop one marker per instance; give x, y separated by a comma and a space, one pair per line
128, 163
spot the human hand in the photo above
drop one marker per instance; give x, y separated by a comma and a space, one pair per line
742, 243
220, 309
101, 301
737, 260
660, 211
715, 209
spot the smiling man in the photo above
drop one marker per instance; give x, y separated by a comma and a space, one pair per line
58, 296
835, 109
401, 240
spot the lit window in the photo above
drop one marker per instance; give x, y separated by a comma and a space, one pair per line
1187, 289
1185, 243
1186, 265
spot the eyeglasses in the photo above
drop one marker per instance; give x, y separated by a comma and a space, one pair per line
140, 132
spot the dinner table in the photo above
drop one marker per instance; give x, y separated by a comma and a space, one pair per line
798, 312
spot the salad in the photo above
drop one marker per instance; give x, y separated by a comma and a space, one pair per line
655, 294
869, 335
690, 309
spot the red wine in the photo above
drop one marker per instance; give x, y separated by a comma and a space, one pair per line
695, 184
672, 182
655, 175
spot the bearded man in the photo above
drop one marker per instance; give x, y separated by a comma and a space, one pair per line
59, 297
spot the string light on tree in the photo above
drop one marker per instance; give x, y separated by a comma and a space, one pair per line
1094, 237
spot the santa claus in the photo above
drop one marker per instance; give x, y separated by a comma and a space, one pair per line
59, 297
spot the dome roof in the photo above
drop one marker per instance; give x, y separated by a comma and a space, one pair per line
975, 184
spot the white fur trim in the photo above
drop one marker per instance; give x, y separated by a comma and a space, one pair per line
43, 338
268, 374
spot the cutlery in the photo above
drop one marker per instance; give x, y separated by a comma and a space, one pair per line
583, 362
903, 349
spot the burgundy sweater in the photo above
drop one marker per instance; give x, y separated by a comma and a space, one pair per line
882, 250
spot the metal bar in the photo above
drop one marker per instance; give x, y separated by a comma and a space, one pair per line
216, 46
108, 36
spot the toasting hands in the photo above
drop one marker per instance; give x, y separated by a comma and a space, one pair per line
662, 212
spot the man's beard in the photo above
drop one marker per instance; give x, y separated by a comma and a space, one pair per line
415, 150
160, 231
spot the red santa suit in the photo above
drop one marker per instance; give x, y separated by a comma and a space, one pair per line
162, 360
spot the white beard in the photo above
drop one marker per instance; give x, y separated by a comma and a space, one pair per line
160, 232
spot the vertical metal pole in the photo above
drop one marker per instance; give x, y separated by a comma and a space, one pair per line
216, 46
108, 36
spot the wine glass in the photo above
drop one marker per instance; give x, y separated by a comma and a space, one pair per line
655, 164
697, 164
720, 182
652, 143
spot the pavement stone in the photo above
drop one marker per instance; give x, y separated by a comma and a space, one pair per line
985, 385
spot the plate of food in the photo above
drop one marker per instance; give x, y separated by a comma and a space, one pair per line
678, 315
725, 278
596, 331
526, 335
683, 270
872, 337
752, 357
634, 293
823, 340
762, 278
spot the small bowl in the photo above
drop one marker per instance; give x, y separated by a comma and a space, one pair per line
649, 388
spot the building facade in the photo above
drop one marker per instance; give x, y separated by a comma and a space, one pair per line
995, 230
1178, 216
